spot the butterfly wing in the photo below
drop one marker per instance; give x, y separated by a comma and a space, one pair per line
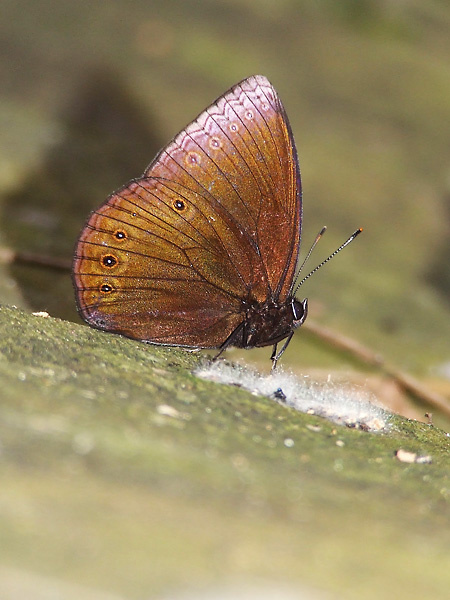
215, 220
241, 151
151, 264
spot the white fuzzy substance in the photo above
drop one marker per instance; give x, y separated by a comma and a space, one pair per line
348, 405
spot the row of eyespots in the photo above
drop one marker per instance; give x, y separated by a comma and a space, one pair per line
110, 261
194, 158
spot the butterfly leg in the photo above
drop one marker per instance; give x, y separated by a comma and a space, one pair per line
274, 352
219, 354
277, 355
229, 341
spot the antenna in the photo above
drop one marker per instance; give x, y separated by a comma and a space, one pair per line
341, 247
314, 244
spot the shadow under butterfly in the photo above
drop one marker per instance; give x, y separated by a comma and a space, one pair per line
202, 250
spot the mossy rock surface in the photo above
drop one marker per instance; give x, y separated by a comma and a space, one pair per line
125, 473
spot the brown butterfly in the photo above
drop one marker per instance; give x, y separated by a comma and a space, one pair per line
201, 251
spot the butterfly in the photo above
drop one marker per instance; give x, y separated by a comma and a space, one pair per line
202, 250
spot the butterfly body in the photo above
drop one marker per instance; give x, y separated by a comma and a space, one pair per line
202, 250
268, 324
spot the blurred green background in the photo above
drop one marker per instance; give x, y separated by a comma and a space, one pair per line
90, 92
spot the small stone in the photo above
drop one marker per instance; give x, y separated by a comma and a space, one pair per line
168, 411
314, 428
412, 457
41, 313
404, 456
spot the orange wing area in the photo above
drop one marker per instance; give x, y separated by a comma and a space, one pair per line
152, 271
214, 222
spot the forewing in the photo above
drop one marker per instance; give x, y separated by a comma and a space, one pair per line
241, 152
